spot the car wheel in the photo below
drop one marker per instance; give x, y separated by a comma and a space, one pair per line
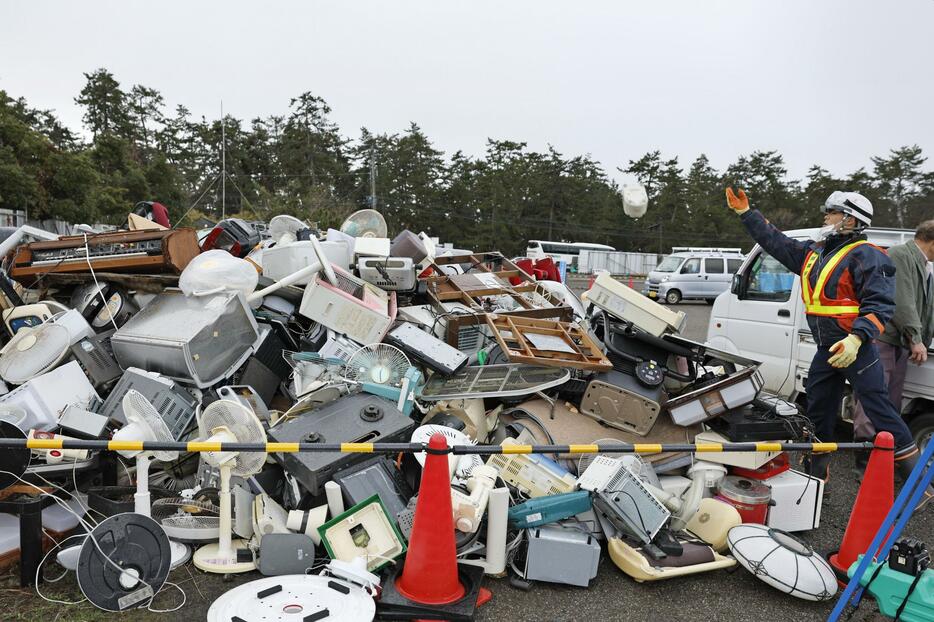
673, 297
922, 429
709, 301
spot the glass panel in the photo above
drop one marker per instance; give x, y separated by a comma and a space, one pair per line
769, 280
560, 249
669, 264
732, 265
691, 266
713, 266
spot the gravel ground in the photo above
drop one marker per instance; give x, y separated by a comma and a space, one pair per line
727, 596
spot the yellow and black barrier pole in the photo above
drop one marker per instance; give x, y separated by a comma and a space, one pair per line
395, 448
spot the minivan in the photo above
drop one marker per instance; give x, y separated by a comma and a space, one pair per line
693, 273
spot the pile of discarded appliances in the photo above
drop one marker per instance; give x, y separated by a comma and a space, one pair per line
287, 334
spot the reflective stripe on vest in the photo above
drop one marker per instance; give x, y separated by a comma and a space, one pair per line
813, 304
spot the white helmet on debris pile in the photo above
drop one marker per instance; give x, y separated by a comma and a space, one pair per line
850, 203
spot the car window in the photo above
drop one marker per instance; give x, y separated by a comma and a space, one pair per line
669, 264
732, 265
691, 266
769, 280
713, 266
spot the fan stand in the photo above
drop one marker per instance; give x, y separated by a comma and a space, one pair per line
221, 557
181, 553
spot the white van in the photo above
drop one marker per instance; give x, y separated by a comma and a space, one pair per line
692, 273
762, 317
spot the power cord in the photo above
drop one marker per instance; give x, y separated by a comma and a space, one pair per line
100, 290
90, 528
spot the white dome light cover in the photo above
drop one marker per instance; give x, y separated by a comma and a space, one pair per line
782, 560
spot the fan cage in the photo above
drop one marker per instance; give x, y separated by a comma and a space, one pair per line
283, 224
378, 363
137, 407
365, 223
243, 425
33, 352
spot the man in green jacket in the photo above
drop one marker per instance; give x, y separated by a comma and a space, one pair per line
908, 333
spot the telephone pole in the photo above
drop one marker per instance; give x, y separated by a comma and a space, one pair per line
372, 178
223, 164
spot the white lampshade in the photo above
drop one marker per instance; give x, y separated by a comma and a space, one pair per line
783, 561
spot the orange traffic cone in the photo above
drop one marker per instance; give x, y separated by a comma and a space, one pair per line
873, 502
592, 279
630, 283
430, 572
431, 585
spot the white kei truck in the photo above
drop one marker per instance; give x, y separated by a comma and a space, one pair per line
761, 317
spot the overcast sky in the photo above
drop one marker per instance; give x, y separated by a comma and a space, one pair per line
829, 82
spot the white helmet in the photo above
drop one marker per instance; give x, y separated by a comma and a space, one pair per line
850, 203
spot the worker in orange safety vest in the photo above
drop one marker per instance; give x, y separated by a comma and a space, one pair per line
848, 287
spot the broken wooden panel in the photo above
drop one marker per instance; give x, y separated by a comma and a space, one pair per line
546, 342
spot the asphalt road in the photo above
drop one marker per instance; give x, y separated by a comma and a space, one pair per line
725, 596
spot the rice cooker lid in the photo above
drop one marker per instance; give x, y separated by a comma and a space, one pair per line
748, 491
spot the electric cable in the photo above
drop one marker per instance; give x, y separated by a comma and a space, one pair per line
89, 528
100, 290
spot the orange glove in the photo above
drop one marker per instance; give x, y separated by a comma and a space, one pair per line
739, 204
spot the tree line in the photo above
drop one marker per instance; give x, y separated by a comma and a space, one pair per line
301, 163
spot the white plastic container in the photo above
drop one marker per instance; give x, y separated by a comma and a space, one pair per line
797, 499
635, 200
371, 247
9, 533
281, 261
57, 518
78, 327
744, 459
46, 396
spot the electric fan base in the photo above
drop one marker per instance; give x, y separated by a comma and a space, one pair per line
207, 558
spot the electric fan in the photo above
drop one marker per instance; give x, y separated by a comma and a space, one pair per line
32, 352
229, 422
284, 229
143, 423
459, 466
366, 223
378, 363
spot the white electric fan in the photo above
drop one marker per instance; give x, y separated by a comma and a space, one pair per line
365, 223
461, 466
143, 423
283, 229
227, 421
34, 351
378, 363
